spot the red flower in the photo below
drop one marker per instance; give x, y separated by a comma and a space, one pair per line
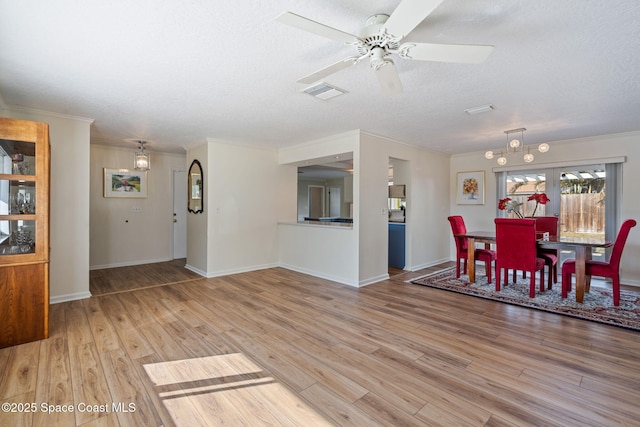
540, 198
502, 203
510, 206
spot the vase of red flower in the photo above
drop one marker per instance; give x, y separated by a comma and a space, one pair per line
509, 205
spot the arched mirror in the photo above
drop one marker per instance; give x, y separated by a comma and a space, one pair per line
196, 193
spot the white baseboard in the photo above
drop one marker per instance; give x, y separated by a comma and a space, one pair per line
128, 263
196, 270
69, 297
373, 280
320, 275
427, 265
211, 274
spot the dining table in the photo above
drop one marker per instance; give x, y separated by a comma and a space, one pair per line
582, 246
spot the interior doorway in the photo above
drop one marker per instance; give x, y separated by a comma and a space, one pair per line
398, 242
334, 201
179, 214
316, 201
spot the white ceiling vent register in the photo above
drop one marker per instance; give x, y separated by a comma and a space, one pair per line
324, 91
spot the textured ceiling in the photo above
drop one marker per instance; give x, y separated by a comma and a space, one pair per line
176, 72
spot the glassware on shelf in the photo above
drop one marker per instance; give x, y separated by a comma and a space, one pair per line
23, 203
17, 237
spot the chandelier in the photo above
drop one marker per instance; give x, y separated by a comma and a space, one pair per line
141, 159
515, 146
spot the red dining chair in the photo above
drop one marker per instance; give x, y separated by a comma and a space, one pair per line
601, 268
548, 224
485, 255
517, 250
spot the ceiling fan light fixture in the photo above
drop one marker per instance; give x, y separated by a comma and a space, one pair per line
378, 58
382, 37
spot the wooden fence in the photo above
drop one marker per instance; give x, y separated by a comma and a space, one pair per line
579, 213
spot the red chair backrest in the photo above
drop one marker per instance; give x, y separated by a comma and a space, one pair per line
516, 243
618, 245
458, 227
547, 224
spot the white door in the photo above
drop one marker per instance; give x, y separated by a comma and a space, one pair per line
179, 214
334, 201
316, 201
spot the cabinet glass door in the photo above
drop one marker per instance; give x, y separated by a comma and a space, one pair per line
17, 197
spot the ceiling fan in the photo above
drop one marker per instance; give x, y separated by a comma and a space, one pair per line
381, 37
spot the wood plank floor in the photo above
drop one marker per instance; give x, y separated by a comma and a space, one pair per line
275, 347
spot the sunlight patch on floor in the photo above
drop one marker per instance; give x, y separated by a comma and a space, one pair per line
228, 389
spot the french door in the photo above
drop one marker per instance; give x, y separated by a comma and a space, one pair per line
580, 196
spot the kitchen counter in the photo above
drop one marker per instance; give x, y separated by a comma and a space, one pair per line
330, 219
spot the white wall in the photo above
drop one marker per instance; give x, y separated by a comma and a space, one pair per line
598, 147
322, 251
119, 235
426, 175
427, 205
359, 256
373, 167
243, 208
69, 219
197, 223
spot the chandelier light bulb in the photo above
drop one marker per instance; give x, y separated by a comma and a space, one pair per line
543, 148
528, 157
488, 155
515, 143
502, 160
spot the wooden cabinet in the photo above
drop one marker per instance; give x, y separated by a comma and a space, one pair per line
397, 241
24, 231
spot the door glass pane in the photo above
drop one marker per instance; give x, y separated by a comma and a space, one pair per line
582, 202
582, 205
520, 186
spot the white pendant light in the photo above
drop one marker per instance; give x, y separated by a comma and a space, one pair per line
515, 145
141, 159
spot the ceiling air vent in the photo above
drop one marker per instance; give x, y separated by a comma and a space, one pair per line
324, 91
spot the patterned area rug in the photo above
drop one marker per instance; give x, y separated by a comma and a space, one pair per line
598, 303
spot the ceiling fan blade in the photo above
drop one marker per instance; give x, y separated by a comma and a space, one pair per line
388, 77
462, 53
408, 15
327, 71
314, 27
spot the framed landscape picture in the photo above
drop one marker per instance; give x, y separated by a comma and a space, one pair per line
125, 183
470, 188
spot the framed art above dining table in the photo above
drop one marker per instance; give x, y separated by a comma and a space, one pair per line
470, 188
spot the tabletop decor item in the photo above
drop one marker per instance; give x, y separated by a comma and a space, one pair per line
510, 205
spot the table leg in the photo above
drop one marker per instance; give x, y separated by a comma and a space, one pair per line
471, 261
